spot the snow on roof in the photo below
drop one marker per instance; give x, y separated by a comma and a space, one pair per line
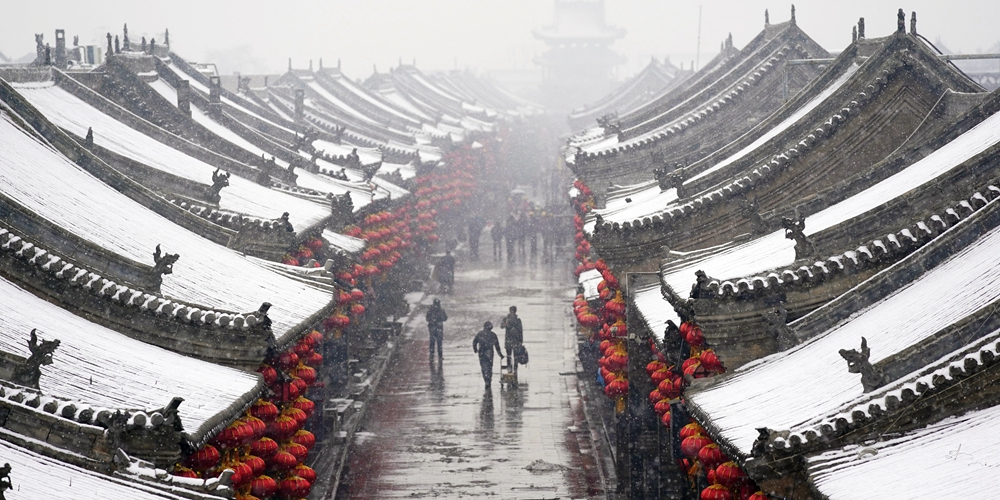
244, 196
781, 127
367, 155
781, 390
589, 281
97, 366
343, 242
651, 306
407, 171
343, 106
774, 250
631, 204
171, 94
48, 184
362, 93
954, 458
37, 476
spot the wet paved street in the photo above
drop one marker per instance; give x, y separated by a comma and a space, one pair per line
432, 430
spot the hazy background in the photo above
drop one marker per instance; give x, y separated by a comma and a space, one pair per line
258, 37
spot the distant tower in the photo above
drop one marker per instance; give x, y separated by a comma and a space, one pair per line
578, 63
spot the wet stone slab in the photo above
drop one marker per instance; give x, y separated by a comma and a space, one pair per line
433, 431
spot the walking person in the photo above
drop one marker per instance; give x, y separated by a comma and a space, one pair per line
497, 234
483, 344
510, 234
476, 226
513, 337
444, 272
435, 325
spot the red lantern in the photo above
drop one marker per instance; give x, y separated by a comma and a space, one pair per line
711, 456
305, 438
357, 310
694, 337
670, 387
297, 414
692, 445
306, 373
716, 492
263, 486
242, 473
300, 384
304, 404
618, 387
257, 425
662, 406
305, 472
297, 450
694, 368
294, 487
357, 295
264, 448
288, 360
283, 461
660, 375
264, 410
233, 435
711, 361
181, 471
691, 429
315, 359
287, 390
665, 419
729, 474
758, 496
653, 366
655, 396
269, 373
313, 338
283, 427
256, 463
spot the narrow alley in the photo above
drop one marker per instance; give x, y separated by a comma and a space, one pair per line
433, 431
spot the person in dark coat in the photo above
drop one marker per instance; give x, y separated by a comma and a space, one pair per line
513, 336
435, 325
445, 272
510, 233
483, 344
497, 234
476, 226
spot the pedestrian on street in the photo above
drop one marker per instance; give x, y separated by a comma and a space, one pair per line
444, 272
510, 233
513, 336
435, 325
497, 234
483, 344
476, 226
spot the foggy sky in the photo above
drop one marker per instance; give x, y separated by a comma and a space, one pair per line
255, 36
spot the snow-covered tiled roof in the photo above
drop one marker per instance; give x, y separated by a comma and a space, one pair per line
955, 458
100, 367
773, 250
244, 196
343, 242
780, 391
37, 476
44, 182
653, 308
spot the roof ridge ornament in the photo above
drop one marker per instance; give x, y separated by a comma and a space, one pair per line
913, 23
858, 362
861, 28
29, 372
163, 264
792, 20
767, 19
854, 34
901, 22
795, 230
777, 321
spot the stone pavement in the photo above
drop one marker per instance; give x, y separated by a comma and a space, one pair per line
434, 432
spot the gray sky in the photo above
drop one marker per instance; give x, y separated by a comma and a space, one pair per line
258, 36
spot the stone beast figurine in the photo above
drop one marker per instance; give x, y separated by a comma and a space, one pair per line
857, 362
30, 372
